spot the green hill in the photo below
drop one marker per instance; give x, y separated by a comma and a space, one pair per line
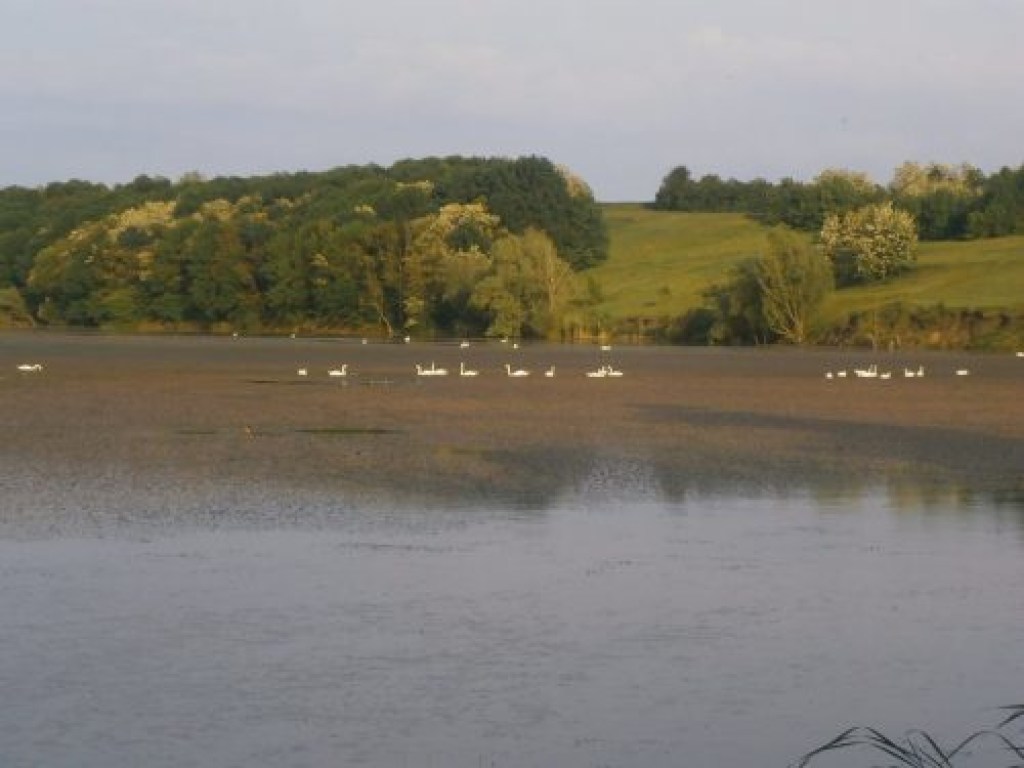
975, 274
661, 261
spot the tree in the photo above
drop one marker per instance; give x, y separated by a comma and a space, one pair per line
556, 282
533, 192
164, 283
1000, 209
13, 312
65, 274
502, 292
529, 288
675, 190
839, 190
940, 197
376, 248
794, 280
870, 243
736, 308
916, 180
523, 192
220, 282
442, 245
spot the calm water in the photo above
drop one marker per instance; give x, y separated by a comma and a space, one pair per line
613, 629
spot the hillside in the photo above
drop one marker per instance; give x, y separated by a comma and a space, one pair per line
660, 262
432, 247
976, 274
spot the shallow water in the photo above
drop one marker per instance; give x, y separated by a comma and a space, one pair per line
631, 615
611, 629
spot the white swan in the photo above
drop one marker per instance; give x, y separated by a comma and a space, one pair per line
871, 372
343, 371
517, 373
464, 371
600, 373
963, 372
302, 372
433, 370
550, 372
30, 367
464, 344
609, 371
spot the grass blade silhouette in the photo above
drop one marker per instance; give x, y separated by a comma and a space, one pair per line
918, 748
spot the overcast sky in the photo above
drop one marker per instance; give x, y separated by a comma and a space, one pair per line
621, 91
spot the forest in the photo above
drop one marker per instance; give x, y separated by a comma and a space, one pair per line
466, 246
948, 202
435, 246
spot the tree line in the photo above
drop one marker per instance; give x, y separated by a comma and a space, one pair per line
948, 202
433, 246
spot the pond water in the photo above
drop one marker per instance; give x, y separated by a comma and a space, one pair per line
611, 629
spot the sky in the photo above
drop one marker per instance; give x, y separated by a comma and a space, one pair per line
619, 91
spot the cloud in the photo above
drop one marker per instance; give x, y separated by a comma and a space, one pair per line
737, 86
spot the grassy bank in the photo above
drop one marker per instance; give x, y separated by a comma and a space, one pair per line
660, 262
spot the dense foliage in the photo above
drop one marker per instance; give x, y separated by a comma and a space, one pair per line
405, 248
948, 202
774, 296
870, 243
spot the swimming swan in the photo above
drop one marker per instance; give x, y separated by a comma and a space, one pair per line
431, 371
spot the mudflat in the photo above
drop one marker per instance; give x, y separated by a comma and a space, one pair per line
177, 416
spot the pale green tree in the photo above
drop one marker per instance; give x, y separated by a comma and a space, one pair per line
13, 311
529, 288
870, 243
556, 286
857, 181
503, 292
794, 279
941, 197
443, 246
574, 183
917, 180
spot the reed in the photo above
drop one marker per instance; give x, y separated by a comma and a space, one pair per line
919, 749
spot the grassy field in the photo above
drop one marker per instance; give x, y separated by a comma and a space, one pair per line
661, 261
978, 274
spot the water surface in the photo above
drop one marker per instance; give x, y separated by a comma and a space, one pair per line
611, 629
